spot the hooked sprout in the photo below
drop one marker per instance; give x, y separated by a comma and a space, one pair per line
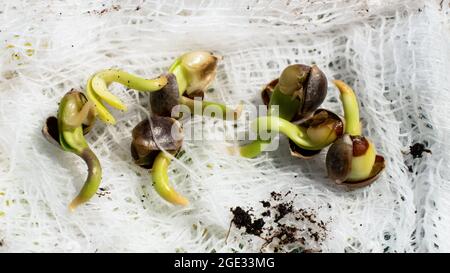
193, 71
75, 118
97, 90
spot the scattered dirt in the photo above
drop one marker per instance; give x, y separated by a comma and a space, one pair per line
275, 196
283, 227
102, 192
105, 10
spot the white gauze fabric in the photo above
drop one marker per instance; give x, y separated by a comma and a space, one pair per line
395, 54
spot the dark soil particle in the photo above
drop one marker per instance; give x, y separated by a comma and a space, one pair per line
283, 209
284, 227
244, 219
241, 217
418, 149
102, 192
266, 213
275, 196
410, 169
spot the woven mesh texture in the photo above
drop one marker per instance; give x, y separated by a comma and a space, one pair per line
396, 55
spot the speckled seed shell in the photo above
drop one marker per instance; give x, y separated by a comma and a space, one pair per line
316, 91
377, 170
164, 100
339, 159
150, 137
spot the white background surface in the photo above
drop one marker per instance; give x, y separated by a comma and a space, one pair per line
396, 55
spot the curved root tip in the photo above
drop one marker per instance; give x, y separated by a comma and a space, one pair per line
75, 203
180, 200
342, 86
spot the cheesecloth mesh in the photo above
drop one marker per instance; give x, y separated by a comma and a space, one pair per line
396, 55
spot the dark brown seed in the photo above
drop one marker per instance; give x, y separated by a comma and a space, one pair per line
316, 90
163, 101
293, 78
151, 136
339, 159
307, 84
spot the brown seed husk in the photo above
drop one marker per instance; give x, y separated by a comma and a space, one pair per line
50, 131
316, 91
339, 159
154, 135
293, 80
163, 101
310, 89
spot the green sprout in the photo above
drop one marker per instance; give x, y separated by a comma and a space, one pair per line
352, 160
154, 142
293, 97
161, 180
75, 118
97, 90
194, 71
312, 137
